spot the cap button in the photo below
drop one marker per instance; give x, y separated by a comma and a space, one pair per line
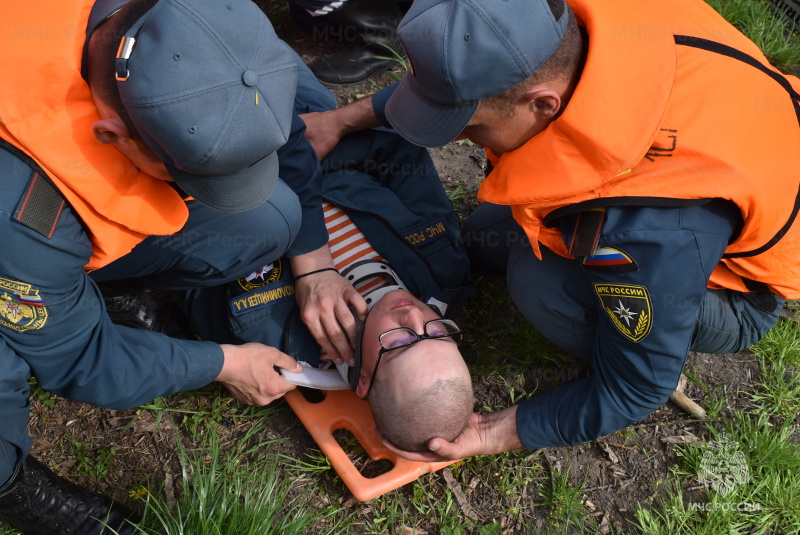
250, 78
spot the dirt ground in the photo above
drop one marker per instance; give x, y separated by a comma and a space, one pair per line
617, 472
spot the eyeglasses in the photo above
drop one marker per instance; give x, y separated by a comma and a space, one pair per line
404, 337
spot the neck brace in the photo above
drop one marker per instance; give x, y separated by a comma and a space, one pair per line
365, 269
355, 273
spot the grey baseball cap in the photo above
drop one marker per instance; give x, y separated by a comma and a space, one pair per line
210, 89
463, 51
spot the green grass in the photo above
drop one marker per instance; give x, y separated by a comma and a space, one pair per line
767, 437
497, 338
761, 24
251, 487
769, 502
782, 342
239, 491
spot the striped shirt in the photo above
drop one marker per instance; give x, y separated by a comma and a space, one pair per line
348, 245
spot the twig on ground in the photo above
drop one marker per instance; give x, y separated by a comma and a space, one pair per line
682, 400
461, 498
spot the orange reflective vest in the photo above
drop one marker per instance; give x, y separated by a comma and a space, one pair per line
46, 110
673, 105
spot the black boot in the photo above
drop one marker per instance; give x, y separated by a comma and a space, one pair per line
35, 501
371, 25
140, 307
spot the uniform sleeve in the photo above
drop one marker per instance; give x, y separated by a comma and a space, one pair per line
53, 317
300, 170
646, 318
379, 100
299, 166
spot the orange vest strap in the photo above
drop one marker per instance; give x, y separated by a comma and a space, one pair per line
719, 48
725, 50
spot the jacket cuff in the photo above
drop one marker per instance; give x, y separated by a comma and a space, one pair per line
379, 100
206, 363
312, 233
533, 424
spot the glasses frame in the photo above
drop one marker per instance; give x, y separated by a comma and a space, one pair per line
417, 338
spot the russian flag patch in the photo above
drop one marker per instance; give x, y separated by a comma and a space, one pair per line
610, 259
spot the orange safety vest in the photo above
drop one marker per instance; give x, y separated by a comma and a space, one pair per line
668, 110
46, 110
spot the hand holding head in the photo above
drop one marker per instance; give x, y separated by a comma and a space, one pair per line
412, 373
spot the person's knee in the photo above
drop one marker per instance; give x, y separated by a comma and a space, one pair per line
729, 321
546, 294
488, 234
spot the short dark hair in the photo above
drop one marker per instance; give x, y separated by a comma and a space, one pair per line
565, 63
441, 410
102, 71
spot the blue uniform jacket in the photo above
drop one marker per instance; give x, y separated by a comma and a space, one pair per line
672, 253
392, 191
65, 355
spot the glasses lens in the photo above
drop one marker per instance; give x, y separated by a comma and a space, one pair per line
397, 338
440, 328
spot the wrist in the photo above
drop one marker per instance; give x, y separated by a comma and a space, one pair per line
358, 116
228, 362
314, 272
500, 428
312, 261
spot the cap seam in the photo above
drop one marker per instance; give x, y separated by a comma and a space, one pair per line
509, 46
186, 95
219, 41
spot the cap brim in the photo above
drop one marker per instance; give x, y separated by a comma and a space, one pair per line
242, 191
422, 121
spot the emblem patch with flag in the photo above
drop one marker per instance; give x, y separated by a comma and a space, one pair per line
628, 307
21, 307
610, 259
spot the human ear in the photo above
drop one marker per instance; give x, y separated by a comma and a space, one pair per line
545, 103
363, 384
110, 131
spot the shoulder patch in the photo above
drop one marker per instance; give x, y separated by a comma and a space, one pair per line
21, 307
628, 307
610, 260
261, 277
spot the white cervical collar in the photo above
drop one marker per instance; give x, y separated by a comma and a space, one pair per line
366, 269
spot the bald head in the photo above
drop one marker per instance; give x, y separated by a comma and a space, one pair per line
421, 396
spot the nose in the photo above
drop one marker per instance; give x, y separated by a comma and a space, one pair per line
415, 321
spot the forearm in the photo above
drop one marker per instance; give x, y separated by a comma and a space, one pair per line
312, 261
356, 116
